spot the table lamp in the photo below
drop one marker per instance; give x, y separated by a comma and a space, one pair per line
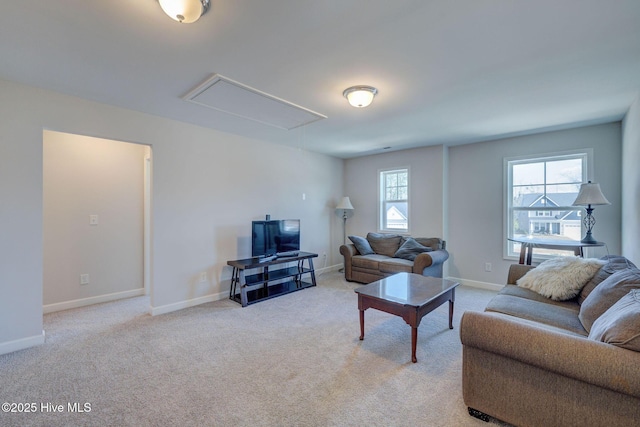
590, 195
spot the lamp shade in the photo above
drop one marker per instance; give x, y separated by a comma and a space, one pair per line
360, 96
185, 11
590, 194
345, 204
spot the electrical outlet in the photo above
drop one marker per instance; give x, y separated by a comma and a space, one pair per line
203, 276
487, 266
93, 219
84, 279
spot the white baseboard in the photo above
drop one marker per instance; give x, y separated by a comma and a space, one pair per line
21, 344
477, 284
328, 269
50, 308
217, 297
168, 308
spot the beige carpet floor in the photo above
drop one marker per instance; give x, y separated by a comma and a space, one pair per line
294, 360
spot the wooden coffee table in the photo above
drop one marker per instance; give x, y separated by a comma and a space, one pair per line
410, 296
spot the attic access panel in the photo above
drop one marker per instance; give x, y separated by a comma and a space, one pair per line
226, 95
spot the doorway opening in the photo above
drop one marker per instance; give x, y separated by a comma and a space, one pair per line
96, 220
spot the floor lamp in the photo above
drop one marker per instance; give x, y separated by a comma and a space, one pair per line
344, 208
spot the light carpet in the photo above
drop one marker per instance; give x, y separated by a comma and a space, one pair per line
295, 360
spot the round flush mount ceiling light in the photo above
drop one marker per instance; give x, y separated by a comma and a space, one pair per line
185, 11
360, 96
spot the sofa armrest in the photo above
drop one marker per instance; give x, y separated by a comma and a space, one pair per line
348, 251
580, 358
516, 271
428, 259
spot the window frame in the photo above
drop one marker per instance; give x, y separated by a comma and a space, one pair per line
586, 154
382, 200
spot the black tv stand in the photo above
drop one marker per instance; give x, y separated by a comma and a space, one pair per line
270, 282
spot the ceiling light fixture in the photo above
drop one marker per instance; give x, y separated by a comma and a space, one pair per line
185, 11
360, 96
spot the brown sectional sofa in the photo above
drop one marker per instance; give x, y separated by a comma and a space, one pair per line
529, 361
369, 267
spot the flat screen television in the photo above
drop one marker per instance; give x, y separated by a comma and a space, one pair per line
275, 236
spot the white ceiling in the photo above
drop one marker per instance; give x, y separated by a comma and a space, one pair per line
447, 71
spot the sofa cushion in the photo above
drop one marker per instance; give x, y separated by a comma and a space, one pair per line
516, 271
362, 245
410, 249
370, 262
525, 293
561, 278
395, 265
614, 263
620, 324
384, 244
560, 316
607, 294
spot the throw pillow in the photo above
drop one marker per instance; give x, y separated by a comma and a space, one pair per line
434, 243
410, 249
614, 263
362, 245
384, 244
606, 294
560, 278
620, 324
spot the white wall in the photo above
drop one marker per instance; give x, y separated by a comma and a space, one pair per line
631, 183
425, 186
206, 192
207, 187
476, 193
20, 222
466, 206
85, 176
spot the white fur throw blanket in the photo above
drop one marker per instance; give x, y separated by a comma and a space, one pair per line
561, 278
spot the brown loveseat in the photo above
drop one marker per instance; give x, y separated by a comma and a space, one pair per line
380, 255
528, 360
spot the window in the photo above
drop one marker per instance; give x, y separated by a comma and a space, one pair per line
540, 194
394, 200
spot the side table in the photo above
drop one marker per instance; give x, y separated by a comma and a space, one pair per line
527, 245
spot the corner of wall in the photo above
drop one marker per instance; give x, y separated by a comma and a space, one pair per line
445, 199
22, 343
631, 182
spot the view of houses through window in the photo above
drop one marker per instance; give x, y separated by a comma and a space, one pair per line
394, 200
541, 192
